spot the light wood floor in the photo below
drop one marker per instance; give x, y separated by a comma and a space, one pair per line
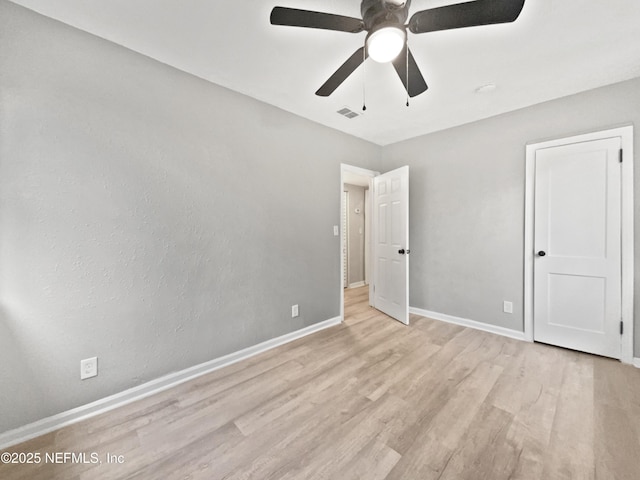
372, 399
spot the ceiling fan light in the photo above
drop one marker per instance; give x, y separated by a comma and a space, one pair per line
385, 44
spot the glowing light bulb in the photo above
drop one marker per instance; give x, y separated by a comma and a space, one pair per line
386, 43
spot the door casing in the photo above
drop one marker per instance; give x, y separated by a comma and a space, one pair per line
625, 134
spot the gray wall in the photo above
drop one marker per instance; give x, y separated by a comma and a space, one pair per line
356, 239
467, 202
146, 218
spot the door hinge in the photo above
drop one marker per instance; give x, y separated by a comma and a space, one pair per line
620, 155
621, 327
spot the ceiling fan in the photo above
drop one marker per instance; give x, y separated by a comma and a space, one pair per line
386, 40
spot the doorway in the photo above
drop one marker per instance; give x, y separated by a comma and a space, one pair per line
356, 226
375, 249
579, 243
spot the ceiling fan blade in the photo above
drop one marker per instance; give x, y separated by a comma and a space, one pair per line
468, 14
304, 18
342, 73
417, 84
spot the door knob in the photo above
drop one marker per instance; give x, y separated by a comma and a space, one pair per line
542, 253
401, 251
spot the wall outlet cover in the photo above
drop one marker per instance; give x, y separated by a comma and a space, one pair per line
507, 307
88, 368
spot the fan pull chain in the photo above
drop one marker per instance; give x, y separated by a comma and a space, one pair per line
407, 69
364, 78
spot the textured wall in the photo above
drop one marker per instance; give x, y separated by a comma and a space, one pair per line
467, 202
146, 218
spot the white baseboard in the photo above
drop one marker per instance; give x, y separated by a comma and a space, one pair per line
357, 284
49, 424
636, 362
485, 327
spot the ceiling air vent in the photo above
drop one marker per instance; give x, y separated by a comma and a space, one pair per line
347, 112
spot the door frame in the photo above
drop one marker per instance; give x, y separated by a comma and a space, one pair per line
365, 173
344, 237
625, 134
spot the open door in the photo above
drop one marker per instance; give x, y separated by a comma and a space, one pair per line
391, 243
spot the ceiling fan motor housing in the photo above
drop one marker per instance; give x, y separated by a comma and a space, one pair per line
379, 13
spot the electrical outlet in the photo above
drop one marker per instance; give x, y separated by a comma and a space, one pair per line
336, 230
88, 368
294, 311
507, 307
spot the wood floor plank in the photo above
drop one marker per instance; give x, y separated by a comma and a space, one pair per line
571, 454
288, 401
338, 448
617, 420
484, 448
372, 399
278, 449
373, 462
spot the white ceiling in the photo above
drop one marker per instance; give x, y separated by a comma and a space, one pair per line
555, 48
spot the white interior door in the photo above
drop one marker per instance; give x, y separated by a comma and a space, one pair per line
391, 243
577, 259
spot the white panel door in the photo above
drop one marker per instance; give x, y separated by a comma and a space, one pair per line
391, 243
577, 259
